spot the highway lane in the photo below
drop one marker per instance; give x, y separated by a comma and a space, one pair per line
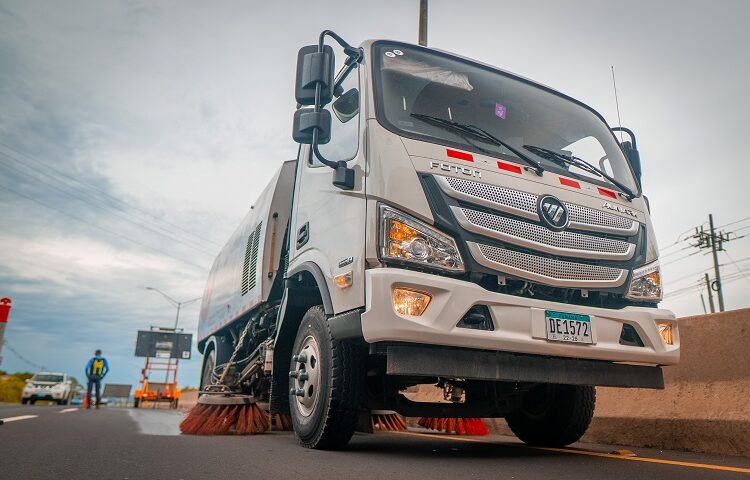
114, 443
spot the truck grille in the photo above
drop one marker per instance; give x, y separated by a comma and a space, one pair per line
537, 237
524, 204
545, 270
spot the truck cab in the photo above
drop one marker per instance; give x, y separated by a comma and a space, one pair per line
454, 224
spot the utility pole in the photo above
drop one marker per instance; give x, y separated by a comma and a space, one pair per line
423, 22
710, 295
715, 241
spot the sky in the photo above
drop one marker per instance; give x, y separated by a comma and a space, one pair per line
135, 135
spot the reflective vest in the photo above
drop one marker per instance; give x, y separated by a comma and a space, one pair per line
97, 366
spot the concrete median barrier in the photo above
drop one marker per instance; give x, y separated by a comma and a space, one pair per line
705, 406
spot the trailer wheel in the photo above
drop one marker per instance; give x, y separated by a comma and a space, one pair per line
553, 415
326, 384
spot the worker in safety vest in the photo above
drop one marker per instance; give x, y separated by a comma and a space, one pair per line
96, 369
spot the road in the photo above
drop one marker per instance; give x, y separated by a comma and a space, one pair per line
50, 442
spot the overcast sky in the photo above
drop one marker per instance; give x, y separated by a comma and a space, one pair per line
134, 136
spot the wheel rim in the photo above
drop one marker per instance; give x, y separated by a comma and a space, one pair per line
307, 379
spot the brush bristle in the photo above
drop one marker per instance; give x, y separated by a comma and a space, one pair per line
244, 419
281, 422
388, 422
459, 426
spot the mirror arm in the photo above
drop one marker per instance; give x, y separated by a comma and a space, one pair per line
629, 132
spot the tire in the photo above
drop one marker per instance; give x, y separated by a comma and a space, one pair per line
219, 352
325, 417
24, 401
136, 402
553, 415
62, 402
32, 401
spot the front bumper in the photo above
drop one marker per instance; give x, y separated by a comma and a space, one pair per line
43, 395
518, 321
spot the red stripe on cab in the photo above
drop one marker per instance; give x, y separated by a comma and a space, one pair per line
607, 193
460, 155
569, 183
508, 167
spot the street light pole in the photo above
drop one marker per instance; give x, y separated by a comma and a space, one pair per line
176, 320
174, 303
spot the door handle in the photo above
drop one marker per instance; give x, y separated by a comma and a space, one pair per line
303, 235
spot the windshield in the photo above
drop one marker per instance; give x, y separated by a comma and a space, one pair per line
414, 84
46, 377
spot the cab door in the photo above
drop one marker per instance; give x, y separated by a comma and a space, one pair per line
328, 223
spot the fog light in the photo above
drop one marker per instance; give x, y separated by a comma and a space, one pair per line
666, 332
410, 302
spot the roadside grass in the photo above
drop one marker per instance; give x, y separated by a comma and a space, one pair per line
12, 385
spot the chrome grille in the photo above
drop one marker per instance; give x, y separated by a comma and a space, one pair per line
492, 193
537, 237
589, 216
547, 270
524, 204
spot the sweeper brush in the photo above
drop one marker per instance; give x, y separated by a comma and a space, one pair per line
387, 421
459, 426
222, 414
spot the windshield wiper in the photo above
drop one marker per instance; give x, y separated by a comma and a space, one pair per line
580, 163
482, 134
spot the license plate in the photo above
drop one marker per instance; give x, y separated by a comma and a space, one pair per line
568, 327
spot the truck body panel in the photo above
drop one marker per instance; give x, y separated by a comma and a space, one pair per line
244, 271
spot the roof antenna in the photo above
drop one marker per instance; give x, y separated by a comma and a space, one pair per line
614, 84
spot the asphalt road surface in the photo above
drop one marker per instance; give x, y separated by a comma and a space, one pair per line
50, 442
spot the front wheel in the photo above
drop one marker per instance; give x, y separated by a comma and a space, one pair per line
326, 383
553, 415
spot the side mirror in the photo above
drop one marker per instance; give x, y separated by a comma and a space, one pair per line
307, 121
630, 150
346, 106
314, 68
633, 157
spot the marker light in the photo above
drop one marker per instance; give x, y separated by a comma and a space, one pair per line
666, 332
344, 280
410, 302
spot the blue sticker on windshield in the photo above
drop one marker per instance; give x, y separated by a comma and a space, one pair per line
500, 110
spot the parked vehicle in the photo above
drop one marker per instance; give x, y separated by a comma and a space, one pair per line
56, 387
480, 232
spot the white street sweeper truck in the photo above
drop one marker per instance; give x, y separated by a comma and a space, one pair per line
448, 223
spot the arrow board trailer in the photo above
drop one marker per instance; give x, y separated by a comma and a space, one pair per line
446, 223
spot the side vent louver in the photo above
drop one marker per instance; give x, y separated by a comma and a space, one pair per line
250, 265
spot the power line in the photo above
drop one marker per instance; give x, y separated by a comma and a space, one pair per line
103, 208
741, 272
100, 191
680, 259
733, 223
22, 358
120, 236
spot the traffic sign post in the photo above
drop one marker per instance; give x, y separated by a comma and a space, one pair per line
4, 314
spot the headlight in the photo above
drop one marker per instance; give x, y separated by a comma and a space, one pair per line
646, 283
404, 238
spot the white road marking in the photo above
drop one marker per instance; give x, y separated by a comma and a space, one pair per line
20, 417
68, 410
